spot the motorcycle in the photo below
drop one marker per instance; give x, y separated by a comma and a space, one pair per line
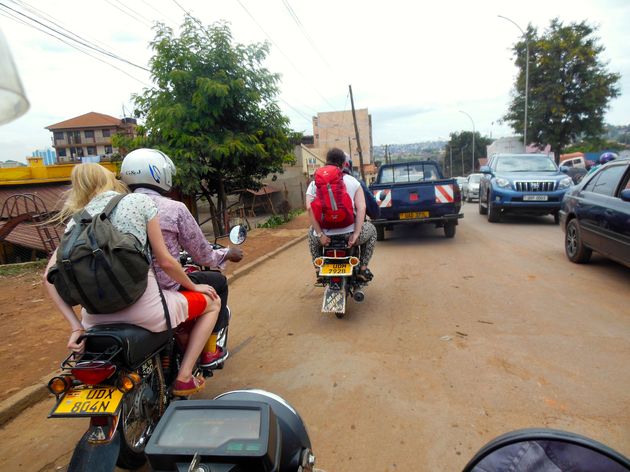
121, 382
338, 267
255, 430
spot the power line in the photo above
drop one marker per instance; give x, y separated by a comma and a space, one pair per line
82, 42
129, 14
282, 52
157, 11
78, 48
304, 32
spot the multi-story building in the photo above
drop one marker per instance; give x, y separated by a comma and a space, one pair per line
88, 135
336, 129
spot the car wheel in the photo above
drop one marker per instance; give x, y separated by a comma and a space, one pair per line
573, 246
482, 210
494, 213
449, 229
380, 233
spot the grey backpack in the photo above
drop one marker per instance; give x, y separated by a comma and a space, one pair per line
99, 267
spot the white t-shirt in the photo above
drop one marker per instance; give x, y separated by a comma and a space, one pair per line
352, 185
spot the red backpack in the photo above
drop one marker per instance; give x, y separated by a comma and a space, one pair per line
332, 205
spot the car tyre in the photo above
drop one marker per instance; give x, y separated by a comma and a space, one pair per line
573, 246
450, 229
482, 210
380, 233
494, 213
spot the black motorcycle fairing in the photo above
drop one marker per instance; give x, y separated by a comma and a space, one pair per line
138, 344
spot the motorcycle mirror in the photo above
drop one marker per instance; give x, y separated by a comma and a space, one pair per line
238, 234
542, 450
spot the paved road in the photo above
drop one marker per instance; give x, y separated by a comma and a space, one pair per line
457, 342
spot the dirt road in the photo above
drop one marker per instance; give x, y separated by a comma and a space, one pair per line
457, 342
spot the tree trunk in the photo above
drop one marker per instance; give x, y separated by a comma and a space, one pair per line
222, 203
216, 227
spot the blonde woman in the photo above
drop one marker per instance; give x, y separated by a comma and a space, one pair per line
93, 187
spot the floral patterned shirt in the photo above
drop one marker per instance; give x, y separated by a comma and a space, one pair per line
180, 230
131, 215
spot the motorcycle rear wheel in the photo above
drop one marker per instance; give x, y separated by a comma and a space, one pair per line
140, 413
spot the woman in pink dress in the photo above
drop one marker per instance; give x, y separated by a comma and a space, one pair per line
93, 187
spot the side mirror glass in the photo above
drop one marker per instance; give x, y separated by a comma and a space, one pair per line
484, 170
564, 169
545, 450
625, 195
238, 234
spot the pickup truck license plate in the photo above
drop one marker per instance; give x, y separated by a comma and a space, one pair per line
409, 215
85, 401
336, 269
535, 198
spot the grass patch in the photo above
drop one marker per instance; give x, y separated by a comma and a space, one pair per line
278, 220
11, 270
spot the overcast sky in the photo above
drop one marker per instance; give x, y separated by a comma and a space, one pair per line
413, 65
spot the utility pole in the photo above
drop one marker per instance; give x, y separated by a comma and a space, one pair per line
450, 148
356, 131
350, 146
462, 161
386, 156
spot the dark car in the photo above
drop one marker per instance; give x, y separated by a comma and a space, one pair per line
595, 215
521, 183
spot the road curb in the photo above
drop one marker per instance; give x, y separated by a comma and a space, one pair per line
29, 396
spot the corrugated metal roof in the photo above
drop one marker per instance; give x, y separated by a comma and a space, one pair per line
29, 234
89, 120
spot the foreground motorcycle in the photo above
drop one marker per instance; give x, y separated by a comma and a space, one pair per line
338, 269
256, 431
122, 384
238, 431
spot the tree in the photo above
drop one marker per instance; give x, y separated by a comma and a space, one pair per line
569, 86
461, 144
213, 111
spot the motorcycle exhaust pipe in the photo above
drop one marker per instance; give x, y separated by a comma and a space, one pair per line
358, 296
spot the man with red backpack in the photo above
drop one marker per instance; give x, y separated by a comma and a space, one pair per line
336, 205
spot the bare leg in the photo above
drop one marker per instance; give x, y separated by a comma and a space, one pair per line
198, 337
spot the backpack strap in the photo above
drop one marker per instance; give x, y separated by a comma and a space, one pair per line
112, 204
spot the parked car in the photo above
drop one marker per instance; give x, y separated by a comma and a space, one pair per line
595, 215
521, 183
461, 183
472, 187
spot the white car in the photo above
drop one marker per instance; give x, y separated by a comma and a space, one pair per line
472, 187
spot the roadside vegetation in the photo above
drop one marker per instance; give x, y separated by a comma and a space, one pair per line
278, 220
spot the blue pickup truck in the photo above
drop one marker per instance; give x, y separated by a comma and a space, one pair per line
522, 183
416, 192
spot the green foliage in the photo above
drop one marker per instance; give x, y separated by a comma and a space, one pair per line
277, 220
569, 86
11, 270
461, 145
214, 111
595, 145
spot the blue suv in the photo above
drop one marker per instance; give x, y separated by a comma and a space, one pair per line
522, 183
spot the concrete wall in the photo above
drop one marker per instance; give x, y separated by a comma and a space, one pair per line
333, 129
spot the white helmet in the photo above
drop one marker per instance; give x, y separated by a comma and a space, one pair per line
148, 168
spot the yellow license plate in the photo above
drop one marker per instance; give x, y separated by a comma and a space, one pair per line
414, 214
86, 401
336, 269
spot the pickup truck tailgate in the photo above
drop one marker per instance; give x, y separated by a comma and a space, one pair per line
417, 200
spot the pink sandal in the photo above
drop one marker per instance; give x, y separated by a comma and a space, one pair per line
190, 387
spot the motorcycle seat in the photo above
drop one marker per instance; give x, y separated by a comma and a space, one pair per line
137, 344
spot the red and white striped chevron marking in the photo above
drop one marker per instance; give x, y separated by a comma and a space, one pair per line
387, 201
444, 194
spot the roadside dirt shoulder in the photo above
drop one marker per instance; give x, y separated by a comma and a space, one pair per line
35, 333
